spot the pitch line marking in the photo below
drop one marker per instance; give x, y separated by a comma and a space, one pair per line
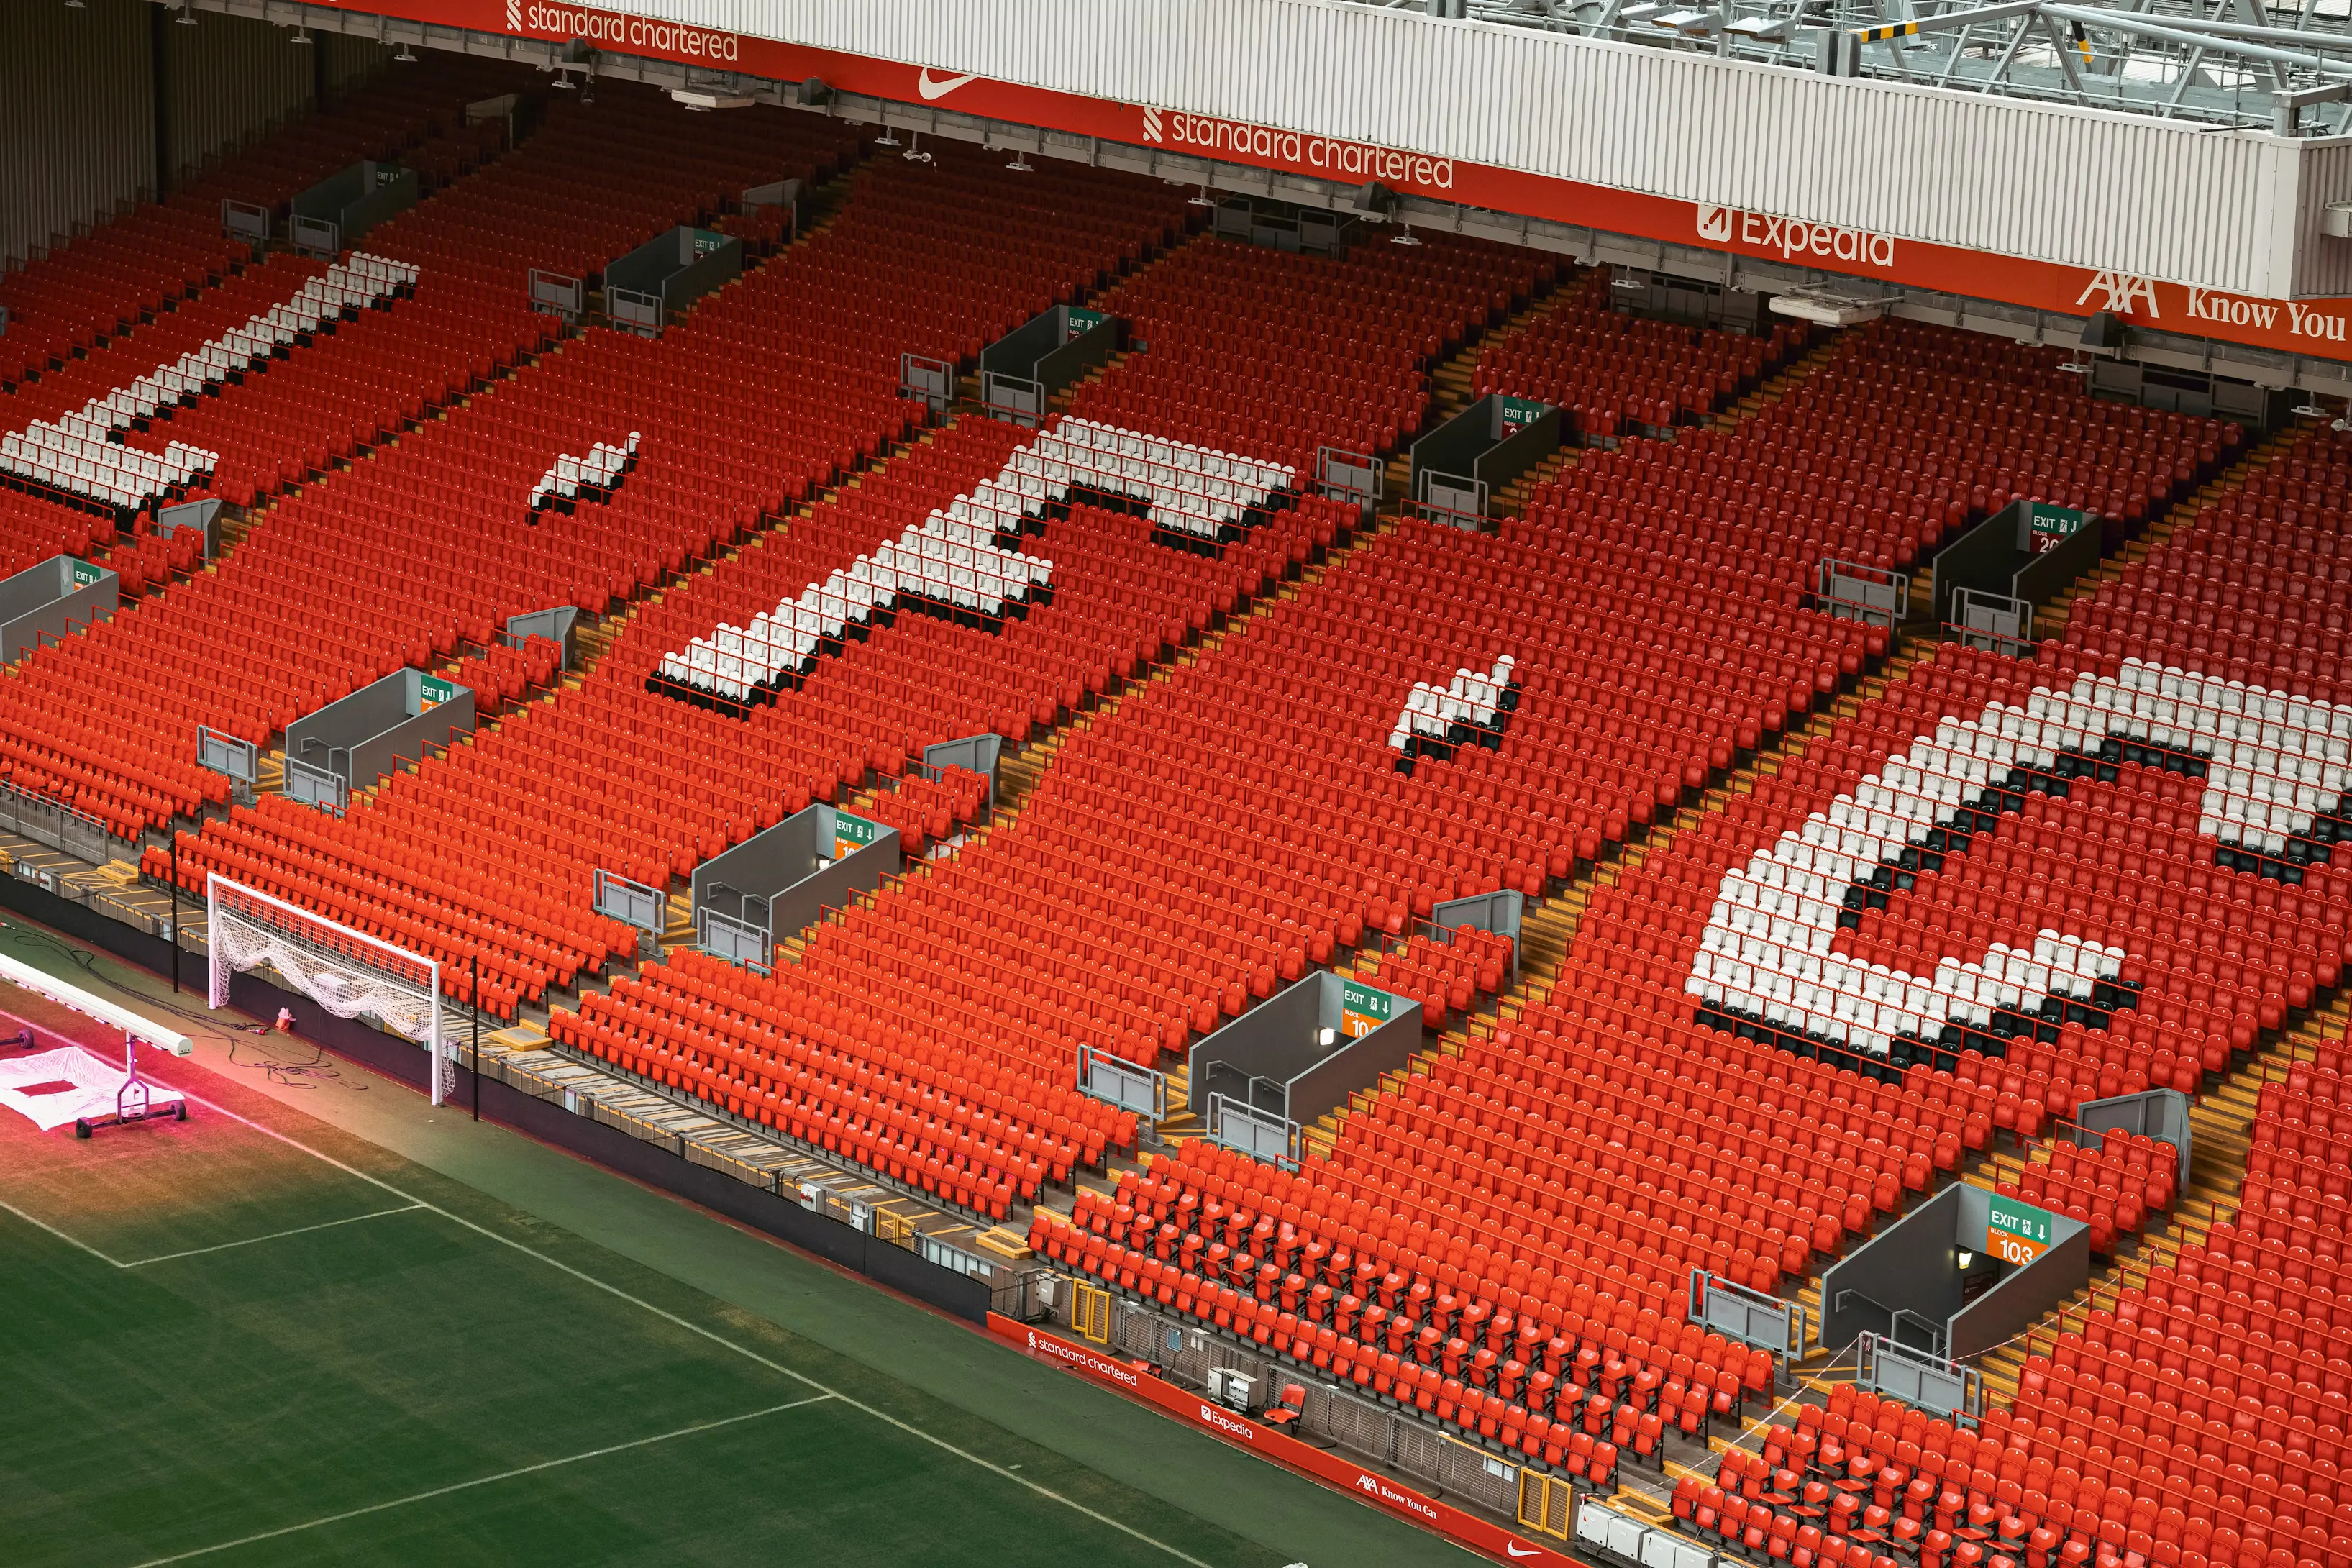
481, 1481
716, 1338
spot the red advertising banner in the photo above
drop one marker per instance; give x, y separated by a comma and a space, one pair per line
2317, 328
1467, 1530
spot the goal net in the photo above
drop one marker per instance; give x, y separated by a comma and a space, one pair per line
348, 972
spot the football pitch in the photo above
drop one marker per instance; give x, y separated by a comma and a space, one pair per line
255, 1338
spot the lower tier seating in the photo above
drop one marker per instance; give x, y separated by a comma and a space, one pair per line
1357, 1283
922, 1098
105, 281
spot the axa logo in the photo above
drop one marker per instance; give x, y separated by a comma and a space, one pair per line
1368, 1484
1151, 124
934, 88
2122, 292
1715, 224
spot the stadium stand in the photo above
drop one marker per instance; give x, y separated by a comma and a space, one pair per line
1969, 893
1621, 1009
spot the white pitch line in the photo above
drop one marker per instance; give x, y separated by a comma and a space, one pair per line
713, 1336
481, 1481
273, 1236
61, 1236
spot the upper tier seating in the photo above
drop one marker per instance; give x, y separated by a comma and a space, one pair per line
415, 117
2257, 588
127, 270
105, 281
189, 325
473, 247
1613, 370
1252, 351
1901, 434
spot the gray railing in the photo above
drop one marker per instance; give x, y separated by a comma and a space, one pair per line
57, 825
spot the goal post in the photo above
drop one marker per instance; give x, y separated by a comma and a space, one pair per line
346, 972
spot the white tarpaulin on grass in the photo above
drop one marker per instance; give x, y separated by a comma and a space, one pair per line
53, 1087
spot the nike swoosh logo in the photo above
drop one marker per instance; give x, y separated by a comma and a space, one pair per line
1511, 1548
933, 91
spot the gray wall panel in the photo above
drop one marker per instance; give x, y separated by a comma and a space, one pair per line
76, 116
2323, 265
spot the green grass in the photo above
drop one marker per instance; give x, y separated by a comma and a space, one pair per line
425, 1375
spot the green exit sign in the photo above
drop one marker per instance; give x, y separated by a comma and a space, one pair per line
1364, 1008
1082, 321
1518, 412
433, 691
851, 833
2052, 525
2016, 1231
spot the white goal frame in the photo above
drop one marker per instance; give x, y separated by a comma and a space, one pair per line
330, 963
